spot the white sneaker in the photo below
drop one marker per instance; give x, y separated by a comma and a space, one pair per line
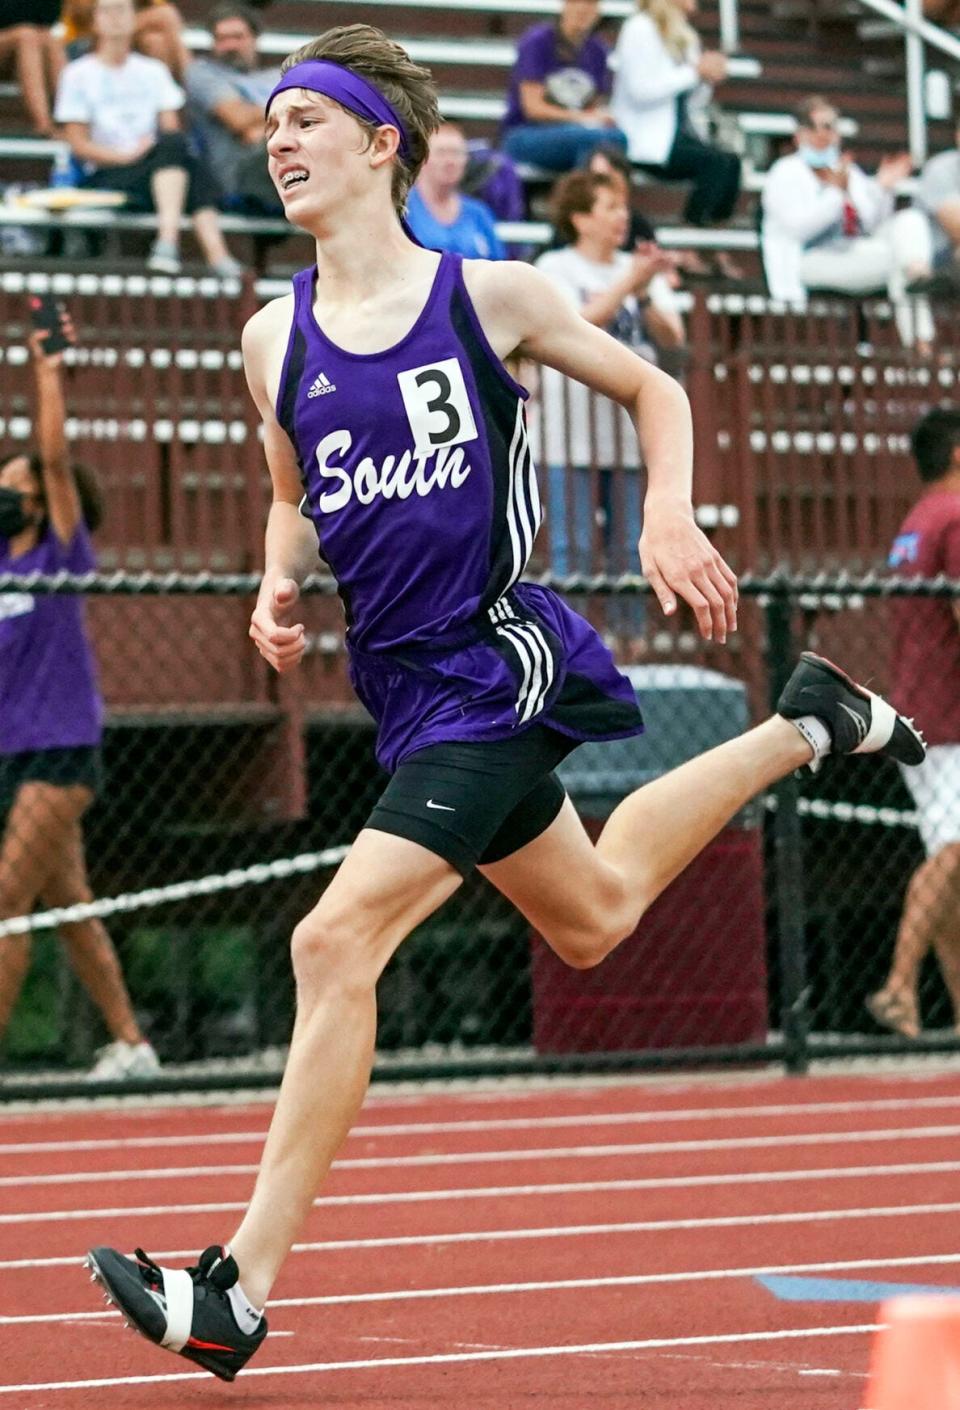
164, 258
118, 1060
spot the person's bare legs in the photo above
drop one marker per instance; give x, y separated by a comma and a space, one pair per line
27, 44
37, 824
930, 919
585, 898
169, 188
54, 59
385, 887
90, 948
206, 227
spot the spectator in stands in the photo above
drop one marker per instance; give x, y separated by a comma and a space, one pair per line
926, 682
828, 225
611, 161
939, 195
557, 100
158, 32
438, 213
119, 112
661, 86
585, 442
29, 48
227, 94
51, 721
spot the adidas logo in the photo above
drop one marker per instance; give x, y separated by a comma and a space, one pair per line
321, 386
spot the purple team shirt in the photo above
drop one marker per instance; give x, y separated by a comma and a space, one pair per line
48, 691
419, 481
572, 78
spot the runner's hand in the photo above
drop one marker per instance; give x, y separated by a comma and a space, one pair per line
279, 639
678, 560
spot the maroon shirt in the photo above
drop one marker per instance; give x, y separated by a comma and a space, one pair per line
926, 635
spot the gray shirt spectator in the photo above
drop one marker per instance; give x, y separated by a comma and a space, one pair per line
939, 195
227, 94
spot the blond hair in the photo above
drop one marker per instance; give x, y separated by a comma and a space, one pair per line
406, 86
676, 31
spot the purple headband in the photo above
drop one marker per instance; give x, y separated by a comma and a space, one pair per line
349, 90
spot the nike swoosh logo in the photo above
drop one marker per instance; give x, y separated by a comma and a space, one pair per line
858, 720
443, 806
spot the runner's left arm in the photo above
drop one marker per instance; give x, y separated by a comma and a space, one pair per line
522, 313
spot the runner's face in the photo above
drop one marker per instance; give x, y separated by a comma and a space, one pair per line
317, 153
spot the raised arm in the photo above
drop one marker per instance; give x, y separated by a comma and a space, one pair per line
59, 486
290, 540
523, 314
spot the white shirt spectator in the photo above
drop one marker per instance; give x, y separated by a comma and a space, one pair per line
801, 212
576, 426
647, 84
120, 102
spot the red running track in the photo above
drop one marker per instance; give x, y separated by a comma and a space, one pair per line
565, 1246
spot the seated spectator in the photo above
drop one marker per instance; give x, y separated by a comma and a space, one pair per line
227, 94
612, 162
438, 213
30, 50
119, 112
660, 89
828, 225
938, 195
587, 443
556, 105
158, 32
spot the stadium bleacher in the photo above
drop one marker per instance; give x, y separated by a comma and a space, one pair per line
786, 53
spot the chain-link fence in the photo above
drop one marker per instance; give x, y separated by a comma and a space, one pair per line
228, 797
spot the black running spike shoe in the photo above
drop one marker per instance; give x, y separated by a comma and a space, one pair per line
858, 721
185, 1310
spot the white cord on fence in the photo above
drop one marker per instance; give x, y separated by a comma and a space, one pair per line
254, 875
304, 862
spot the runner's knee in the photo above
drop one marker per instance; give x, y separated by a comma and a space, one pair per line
584, 940
336, 949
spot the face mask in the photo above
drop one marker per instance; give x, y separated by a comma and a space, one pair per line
827, 157
13, 517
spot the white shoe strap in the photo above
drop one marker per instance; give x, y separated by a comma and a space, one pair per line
883, 719
178, 1291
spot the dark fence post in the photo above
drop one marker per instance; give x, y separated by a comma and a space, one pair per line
788, 857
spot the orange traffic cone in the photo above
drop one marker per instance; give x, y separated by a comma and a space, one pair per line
915, 1361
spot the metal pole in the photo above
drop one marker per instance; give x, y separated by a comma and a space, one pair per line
788, 860
916, 113
729, 26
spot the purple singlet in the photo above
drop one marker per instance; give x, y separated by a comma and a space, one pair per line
421, 487
48, 691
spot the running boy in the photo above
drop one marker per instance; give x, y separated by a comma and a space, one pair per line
388, 412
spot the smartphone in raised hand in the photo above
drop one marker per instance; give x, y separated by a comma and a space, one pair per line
47, 315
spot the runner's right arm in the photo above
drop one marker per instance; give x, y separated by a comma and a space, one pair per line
290, 540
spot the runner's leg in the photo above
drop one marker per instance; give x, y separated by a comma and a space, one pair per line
385, 887
585, 899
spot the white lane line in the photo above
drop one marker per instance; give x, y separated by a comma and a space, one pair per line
492, 1192
544, 1153
626, 1280
534, 1123
572, 1231
519, 1353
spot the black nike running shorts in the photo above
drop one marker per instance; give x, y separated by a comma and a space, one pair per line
476, 803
